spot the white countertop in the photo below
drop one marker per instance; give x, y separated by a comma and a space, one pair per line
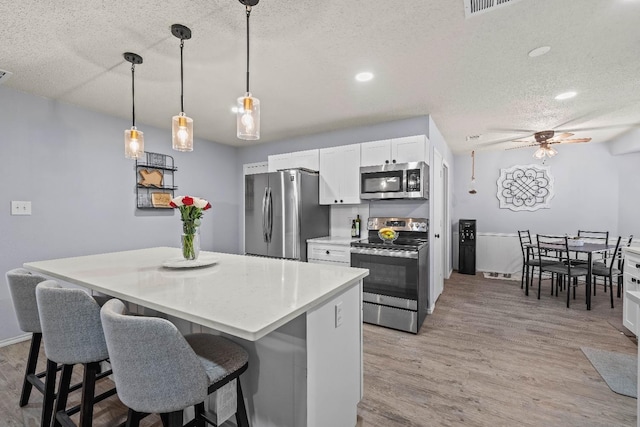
335, 240
633, 296
632, 249
243, 296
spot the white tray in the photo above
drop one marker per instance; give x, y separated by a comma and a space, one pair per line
202, 261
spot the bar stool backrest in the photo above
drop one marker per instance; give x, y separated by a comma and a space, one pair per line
71, 326
155, 369
594, 236
22, 287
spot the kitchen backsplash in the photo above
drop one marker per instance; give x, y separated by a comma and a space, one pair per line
341, 217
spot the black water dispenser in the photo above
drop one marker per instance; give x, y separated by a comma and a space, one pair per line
467, 246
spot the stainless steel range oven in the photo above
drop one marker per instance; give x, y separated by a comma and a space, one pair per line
396, 290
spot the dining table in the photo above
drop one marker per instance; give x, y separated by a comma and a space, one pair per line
588, 248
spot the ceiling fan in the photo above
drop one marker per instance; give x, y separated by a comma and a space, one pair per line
544, 141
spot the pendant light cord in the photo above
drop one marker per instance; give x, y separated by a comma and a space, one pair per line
133, 95
181, 78
248, 13
473, 165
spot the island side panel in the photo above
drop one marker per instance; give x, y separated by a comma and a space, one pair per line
334, 360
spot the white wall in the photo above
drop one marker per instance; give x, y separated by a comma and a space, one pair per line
594, 190
70, 164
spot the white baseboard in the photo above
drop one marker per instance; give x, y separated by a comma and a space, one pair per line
15, 340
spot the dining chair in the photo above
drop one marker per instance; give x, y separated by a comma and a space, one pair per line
157, 370
526, 244
556, 248
608, 270
593, 237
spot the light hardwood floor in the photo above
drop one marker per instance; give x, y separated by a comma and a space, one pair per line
488, 356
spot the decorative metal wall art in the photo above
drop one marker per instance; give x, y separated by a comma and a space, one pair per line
525, 188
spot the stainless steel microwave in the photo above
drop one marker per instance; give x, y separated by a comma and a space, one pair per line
395, 181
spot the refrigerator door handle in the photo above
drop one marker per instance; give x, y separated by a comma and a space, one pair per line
270, 215
264, 214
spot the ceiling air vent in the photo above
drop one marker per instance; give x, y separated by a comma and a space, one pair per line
476, 7
4, 76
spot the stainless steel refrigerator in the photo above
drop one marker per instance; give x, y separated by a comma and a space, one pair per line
282, 211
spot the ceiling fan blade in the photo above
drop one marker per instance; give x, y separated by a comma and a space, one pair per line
630, 125
500, 141
502, 130
523, 146
574, 141
563, 135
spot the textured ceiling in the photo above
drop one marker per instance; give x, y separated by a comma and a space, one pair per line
472, 75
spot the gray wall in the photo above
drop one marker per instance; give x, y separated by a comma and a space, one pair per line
593, 190
70, 164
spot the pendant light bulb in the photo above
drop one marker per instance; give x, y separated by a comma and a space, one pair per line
133, 138
248, 107
181, 125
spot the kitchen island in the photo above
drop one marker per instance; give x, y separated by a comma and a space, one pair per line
301, 323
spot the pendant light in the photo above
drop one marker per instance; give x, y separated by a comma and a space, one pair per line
181, 125
248, 107
133, 138
472, 184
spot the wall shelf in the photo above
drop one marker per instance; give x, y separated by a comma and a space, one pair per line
155, 181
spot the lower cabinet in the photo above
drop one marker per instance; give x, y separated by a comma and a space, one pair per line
631, 282
322, 253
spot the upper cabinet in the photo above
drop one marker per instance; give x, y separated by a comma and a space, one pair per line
398, 150
340, 175
308, 159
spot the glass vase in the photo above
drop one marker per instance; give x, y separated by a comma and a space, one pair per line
190, 241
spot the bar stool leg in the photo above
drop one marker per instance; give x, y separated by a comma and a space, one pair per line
133, 419
49, 393
34, 350
88, 393
63, 393
241, 411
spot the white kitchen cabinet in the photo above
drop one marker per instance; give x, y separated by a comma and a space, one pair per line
397, 150
308, 159
340, 175
326, 251
631, 282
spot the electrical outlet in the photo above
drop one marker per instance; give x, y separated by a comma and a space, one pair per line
20, 207
338, 314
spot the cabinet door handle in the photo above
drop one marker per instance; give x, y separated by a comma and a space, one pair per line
633, 280
394, 160
637, 265
386, 161
437, 236
340, 200
327, 252
335, 201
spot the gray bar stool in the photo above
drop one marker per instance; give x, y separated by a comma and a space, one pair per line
158, 370
72, 333
22, 287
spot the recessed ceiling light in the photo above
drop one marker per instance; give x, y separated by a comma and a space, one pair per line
565, 95
364, 77
539, 51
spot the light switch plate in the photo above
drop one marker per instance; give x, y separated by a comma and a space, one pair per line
20, 207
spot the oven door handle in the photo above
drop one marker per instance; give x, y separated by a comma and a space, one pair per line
385, 253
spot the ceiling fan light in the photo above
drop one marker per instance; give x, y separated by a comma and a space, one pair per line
551, 151
539, 154
182, 133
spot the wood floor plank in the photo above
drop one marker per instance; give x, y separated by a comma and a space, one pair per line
487, 356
